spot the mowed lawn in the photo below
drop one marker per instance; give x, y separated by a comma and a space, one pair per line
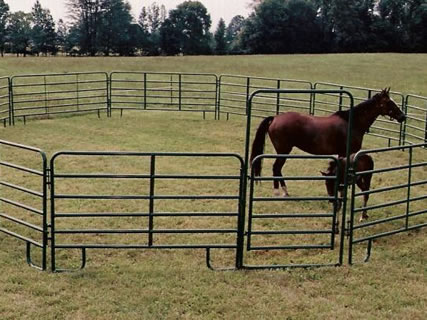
156, 284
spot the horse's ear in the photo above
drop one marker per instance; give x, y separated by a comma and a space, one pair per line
388, 90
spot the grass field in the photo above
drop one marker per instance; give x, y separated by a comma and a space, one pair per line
168, 284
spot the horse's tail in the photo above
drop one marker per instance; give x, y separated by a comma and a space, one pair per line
259, 143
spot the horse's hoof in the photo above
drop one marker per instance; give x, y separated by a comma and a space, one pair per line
285, 192
276, 193
337, 229
363, 218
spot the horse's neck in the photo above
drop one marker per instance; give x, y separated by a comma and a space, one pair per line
365, 115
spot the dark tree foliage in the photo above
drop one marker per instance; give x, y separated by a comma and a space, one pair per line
282, 26
4, 15
86, 15
61, 34
150, 20
339, 26
220, 38
352, 25
43, 34
233, 32
116, 31
104, 27
189, 26
401, 25
19, 30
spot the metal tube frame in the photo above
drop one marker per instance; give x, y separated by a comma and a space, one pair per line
43, 227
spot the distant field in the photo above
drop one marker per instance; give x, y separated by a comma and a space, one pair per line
176, 284
402, 72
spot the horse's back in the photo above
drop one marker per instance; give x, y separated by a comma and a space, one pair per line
315, 135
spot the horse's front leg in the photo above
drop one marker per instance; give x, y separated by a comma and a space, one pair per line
277, 172
364, 212
337, 206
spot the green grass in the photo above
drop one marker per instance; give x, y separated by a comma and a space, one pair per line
147, 284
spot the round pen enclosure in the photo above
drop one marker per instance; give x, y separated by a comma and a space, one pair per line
182, 179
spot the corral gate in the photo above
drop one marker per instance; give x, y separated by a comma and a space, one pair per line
402, 202
23, 197
256, 218
146, 218
292, 223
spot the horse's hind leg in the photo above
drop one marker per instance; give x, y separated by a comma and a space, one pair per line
277, 172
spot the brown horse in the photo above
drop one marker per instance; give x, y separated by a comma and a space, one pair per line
319, 135
364, 163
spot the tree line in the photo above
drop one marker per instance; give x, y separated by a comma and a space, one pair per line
107, 27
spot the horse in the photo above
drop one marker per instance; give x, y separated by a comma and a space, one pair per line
364, 163
319, 135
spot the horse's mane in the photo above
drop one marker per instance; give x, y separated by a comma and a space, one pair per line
345, 114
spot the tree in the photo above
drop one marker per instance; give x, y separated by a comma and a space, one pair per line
170, 38
220, 39
282, 26
72, 40
353, 24
189, 23
151, 20
417, 26
61, 35
402, 25
86, 15
325, 22
19, 30
232, 34
116, 31
43, 34
4, 15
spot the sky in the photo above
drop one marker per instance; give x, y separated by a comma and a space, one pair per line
225, 9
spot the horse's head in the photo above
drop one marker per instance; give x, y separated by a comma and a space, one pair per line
387, 107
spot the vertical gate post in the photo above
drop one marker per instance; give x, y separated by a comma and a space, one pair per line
218, 109
312, 98
347, 171
11, 106
340, 100
425, 131
145, 90
180, 91
52, 216
151, 205
9, 90
351, 221
248, 85
278, 98
109, 93
409, 189
216, 97
45, 199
